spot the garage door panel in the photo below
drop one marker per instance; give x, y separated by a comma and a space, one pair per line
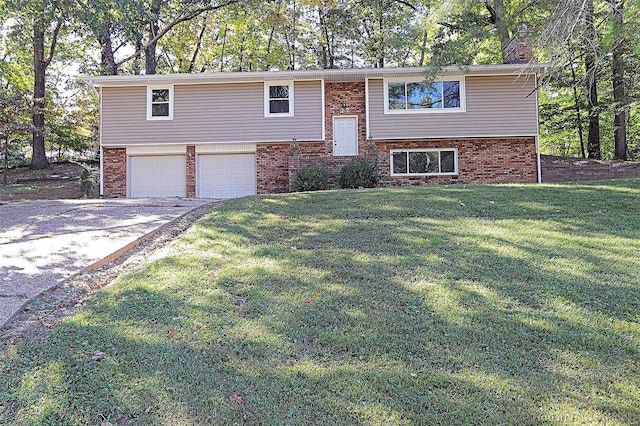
226, 175
157, 176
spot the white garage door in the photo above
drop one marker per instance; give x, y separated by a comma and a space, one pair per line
226, 175
157, 176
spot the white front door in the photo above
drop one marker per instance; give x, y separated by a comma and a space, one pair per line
345, 136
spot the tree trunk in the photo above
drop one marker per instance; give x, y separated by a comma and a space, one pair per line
593, 138
423, 48
194, 57
150, 52
107, 57
150, 59
380, 48
496, 12
39, 156
576, 101
617, 70
5, 161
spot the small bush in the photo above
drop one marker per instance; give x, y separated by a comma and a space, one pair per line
86, 183
311, 178
359, 175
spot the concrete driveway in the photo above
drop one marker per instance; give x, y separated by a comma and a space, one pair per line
42, 243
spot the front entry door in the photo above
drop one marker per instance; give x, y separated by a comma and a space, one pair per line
345, 136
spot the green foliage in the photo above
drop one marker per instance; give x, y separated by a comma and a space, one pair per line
86, 182
16, 157
359, 174
311, 178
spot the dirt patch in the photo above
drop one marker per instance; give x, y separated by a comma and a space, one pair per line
45, 311
58, 181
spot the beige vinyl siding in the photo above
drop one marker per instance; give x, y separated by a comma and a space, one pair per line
495, 106
210, 113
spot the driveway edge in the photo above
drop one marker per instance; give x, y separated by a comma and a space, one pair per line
169, 230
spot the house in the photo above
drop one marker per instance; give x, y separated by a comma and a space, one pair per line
225, 135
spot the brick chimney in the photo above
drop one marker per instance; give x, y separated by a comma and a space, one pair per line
518, 50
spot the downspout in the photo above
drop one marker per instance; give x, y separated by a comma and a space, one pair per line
101, 150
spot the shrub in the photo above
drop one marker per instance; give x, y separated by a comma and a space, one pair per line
310, 178
359, 175
86, 183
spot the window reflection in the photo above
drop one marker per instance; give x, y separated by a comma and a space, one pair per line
421, 95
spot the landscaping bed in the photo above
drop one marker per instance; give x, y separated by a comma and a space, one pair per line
58, 181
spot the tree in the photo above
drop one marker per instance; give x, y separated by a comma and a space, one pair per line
617, 74
590, 54
45, 20
14, 107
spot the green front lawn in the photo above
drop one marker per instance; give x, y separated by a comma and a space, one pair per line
11, 189
440, 305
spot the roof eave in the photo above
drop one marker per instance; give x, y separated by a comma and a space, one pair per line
334, 75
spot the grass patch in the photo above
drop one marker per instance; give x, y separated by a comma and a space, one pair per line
441, 305
11, 189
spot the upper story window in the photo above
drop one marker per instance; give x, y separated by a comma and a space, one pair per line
278, 99
420, 96
160, 103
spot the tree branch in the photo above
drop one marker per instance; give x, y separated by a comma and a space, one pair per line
54, 41
181, 18
409, 5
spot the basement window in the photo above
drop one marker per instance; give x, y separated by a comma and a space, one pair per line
424, 162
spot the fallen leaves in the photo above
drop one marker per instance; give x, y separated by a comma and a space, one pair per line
238, 399
309, 300
170, 334
98, 355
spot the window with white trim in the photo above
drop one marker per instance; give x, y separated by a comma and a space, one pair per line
420, 96
424, 162
278, 99
159, 103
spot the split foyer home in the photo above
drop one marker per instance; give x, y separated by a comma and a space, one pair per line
225, 135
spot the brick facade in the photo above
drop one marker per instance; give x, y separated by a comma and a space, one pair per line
114, 163
272, 168
480, 160
191, 171
486, 160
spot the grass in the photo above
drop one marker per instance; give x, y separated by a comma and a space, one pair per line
411, 306
10, 189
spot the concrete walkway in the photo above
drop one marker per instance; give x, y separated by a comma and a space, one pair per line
42, 243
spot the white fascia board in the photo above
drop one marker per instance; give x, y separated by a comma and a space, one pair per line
334, 75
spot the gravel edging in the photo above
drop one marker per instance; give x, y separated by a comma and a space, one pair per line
45, 311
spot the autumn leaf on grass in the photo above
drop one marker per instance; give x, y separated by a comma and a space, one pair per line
308, 300
170, 333
98, 355
236, 398
316, 295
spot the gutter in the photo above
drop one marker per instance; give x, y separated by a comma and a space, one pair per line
333, 75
